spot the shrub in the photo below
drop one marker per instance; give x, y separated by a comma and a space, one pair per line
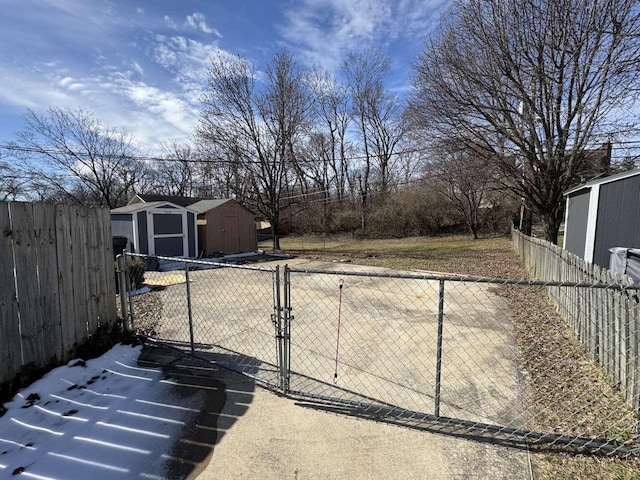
136, 273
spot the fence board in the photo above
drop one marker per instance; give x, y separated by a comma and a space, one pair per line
27, 283
81, 298
10, 356
45, 235
606, 321
55, 276
106, 305
92, 269
64, 254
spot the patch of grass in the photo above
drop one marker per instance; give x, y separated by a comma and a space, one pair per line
491, 257
310, 242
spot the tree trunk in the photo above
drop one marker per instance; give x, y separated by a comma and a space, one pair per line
552, 221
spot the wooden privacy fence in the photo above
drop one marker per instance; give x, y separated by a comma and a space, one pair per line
56, 282
605, 320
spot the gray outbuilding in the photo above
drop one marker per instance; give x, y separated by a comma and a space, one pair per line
603, 214
157, 228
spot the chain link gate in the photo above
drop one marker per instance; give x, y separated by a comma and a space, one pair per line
224, 313
446, 352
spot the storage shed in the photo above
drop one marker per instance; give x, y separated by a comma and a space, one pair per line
225, 227
157, 228
603, 214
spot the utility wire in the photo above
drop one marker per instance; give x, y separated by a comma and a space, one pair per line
43, 151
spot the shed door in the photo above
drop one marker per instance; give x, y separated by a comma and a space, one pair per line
231, 234
169, 233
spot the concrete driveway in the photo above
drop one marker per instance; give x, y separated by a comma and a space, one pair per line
247, 432
387, 352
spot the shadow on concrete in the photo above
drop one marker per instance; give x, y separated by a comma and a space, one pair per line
214, 398
517, 439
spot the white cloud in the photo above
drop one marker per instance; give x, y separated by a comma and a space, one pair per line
325, 30
66, 81
187, 60
115, 76
170, 23
138, 68
76, 86
198, 21
149, 113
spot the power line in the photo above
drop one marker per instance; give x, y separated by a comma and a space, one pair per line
145, 158
44, 151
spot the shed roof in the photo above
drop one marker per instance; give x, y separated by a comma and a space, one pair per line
136, 207
175, 199
204, 206
601, 181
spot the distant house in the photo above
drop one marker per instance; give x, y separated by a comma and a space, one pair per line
160, 228
603, 214
225, 226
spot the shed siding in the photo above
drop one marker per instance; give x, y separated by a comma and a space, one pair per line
618, 218
122, 226
191, 222
169, 246
230, 228
143, 239
576, 223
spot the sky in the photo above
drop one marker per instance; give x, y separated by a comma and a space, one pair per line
141, 65
103, 418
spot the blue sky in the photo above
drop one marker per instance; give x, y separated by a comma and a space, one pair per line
141, 66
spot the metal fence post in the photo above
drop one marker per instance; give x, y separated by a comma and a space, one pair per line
132, 319
186, 276
277, 323
439, 347
287, 329
123, 290
638, 421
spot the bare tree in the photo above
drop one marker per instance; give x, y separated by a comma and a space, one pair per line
13, 183
533, 82
465, 179
260, 122
79, 159
178, 171
332, 121
377, 116
222, 172
322, 168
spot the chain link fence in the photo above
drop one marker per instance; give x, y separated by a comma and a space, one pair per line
222, 312
472, 355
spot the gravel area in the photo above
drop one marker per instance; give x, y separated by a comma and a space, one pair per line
148, 312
